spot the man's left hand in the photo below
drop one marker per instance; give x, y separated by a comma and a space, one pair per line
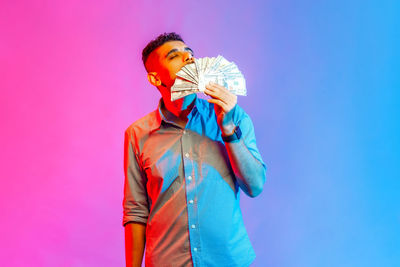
224, 102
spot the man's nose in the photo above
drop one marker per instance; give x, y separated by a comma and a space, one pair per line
188, 58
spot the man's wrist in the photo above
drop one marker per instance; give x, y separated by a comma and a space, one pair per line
236, 135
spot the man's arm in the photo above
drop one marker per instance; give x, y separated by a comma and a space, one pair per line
134, 243
250, 171
135, 204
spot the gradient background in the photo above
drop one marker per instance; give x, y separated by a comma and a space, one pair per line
323, 92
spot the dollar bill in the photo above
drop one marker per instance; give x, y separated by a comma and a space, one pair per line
193, 78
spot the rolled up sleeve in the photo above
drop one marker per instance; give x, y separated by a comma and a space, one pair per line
242, 119
135, 202
249, 138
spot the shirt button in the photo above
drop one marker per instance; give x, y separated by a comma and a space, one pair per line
187, 155
190, 178
191, 201
195, 249
193, 226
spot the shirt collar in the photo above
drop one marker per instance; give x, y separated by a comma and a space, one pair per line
169, 117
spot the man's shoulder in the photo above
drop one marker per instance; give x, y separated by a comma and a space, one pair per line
145, 124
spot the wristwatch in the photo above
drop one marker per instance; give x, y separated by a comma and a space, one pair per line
233, 137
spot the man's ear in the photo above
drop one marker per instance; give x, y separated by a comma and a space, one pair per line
154, 79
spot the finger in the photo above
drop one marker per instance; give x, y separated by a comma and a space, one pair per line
217, 86
212, 92
219, 103
219, 89
218, 95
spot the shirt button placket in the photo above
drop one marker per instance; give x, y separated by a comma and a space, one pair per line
190, 195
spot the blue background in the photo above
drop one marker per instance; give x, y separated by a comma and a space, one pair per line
323, 92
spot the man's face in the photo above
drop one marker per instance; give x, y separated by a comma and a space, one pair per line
168, 59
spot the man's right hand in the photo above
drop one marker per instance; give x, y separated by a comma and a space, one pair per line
135, 239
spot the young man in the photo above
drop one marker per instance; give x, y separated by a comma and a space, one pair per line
184, 164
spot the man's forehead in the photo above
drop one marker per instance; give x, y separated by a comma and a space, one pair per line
168, 46
162, 51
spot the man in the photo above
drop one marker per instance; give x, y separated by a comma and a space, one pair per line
184, 164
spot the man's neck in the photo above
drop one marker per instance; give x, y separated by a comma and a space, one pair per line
180, 107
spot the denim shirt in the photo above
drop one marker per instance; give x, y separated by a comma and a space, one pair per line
180, 183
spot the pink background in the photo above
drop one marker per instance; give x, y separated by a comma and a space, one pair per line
323, 91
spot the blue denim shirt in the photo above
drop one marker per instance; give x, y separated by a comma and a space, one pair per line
180, 183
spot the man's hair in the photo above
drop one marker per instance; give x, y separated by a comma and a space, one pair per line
159, 41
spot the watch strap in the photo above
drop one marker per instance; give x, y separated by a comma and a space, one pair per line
237, 134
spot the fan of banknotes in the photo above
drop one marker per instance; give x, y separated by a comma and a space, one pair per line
193, 78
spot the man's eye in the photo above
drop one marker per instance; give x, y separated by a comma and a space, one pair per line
172, 57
